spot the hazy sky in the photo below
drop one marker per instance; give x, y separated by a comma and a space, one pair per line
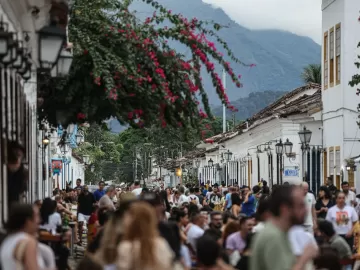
300, 17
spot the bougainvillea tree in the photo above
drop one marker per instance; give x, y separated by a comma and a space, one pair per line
125, 68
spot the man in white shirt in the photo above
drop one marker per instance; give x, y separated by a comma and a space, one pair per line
350, 196
299, 240
192, 198
183, 198
343, 218
310, 219
196, 230
137, 189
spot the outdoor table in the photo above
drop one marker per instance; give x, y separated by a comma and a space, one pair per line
72, 226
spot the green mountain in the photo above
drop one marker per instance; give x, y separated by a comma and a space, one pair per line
250, 105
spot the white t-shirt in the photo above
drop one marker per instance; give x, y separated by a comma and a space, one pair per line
194, 233
137, 191
299, 239
310, 203
53, 222
183, 198
350, 197
259, 227
342, 219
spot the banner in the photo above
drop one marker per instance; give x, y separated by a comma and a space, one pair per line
56, 166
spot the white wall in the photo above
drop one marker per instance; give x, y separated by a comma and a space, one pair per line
77, 170
340, 101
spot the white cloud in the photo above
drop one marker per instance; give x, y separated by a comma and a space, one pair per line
300, 17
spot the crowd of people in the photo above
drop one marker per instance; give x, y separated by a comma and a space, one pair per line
205, 227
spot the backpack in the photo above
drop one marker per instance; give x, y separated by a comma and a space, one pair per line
192, 199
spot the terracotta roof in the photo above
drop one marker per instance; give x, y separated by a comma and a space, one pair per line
303, 104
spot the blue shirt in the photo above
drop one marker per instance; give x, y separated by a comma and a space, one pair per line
248, 208
228, 199
98, 194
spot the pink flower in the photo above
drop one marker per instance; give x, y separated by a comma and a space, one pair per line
80, 116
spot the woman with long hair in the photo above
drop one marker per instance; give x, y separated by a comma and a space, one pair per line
324, 202
236, 204
141, 247
111, 235
50, 219
169, 196
230, 228
20, 249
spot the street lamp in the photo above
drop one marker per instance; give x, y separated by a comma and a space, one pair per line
51, 42
210, 162
17, 64
279, 147
197, 163
64, 148
92, 168
46, 140
11, 55
288, 147
5, 39
228, 155
79, 138
86, 159
305, 136
63, 65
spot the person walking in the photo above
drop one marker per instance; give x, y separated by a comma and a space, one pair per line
99, 192
343, 218
86, 202
324, 202
310, 218
271, 248
106, 200
350, 196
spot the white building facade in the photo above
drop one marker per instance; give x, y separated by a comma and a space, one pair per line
341, 35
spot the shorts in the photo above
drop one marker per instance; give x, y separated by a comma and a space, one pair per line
83, 218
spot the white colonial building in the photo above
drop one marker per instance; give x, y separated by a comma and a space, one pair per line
329, 111
341, 35
27, 27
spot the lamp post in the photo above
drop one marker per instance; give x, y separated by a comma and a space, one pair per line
92, 168
86, 159
210, 163
79, 138
178, 173
305, 138
228, 155
197, 165
63, 65
64, 148
51, 42
280, 149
